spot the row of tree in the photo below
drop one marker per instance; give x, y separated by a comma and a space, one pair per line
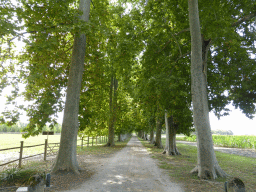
19, 127
219, 49
222, 132
13, 128
123, 66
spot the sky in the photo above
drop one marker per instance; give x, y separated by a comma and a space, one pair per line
237, 122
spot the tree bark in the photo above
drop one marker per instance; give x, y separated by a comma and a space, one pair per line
146, 136
66, 159
170, 145
152, 137
159, 124
140, 134
119, 137
143, 135
113, 108
207, 165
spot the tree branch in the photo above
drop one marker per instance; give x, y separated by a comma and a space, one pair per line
246, 18
176, 42
182, 31
175, 39
188, 53
21, 34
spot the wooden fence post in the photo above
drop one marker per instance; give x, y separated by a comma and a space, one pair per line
92, 140
45, 149
21, 151
88, 141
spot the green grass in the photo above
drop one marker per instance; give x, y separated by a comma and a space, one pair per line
20, 176
101, 149
236, 141
179, 167
40, 139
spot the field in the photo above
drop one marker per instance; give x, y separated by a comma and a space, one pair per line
13, 140
235, 141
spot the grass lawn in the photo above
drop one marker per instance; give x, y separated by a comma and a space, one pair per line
13, 140
178, 167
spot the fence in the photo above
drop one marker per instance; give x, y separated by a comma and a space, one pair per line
97, 139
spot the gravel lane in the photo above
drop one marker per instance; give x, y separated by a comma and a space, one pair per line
131, 169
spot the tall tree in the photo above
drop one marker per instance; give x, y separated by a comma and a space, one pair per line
159, 124
151, 125
112, 111
207, 165
178, 120
170, 144
66, 158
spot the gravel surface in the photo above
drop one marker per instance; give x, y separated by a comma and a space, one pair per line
131, 169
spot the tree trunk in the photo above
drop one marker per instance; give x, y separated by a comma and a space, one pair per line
170, 145
152, 137
140, 134
113, 109
207, 165
119, 137
159, 124
66, 159
143, 135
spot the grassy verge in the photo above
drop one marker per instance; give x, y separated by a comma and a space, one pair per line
101, 149
178, 167
13, 176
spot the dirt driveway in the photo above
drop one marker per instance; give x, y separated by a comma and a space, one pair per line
131, 169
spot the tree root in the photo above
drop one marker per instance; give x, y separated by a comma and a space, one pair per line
64, 168
109, 145
207, 174
159, 146
173, 153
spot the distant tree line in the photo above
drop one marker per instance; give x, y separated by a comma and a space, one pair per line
218, 132
222, 132
18, 127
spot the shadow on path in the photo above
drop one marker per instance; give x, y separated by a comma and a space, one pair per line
131, 169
